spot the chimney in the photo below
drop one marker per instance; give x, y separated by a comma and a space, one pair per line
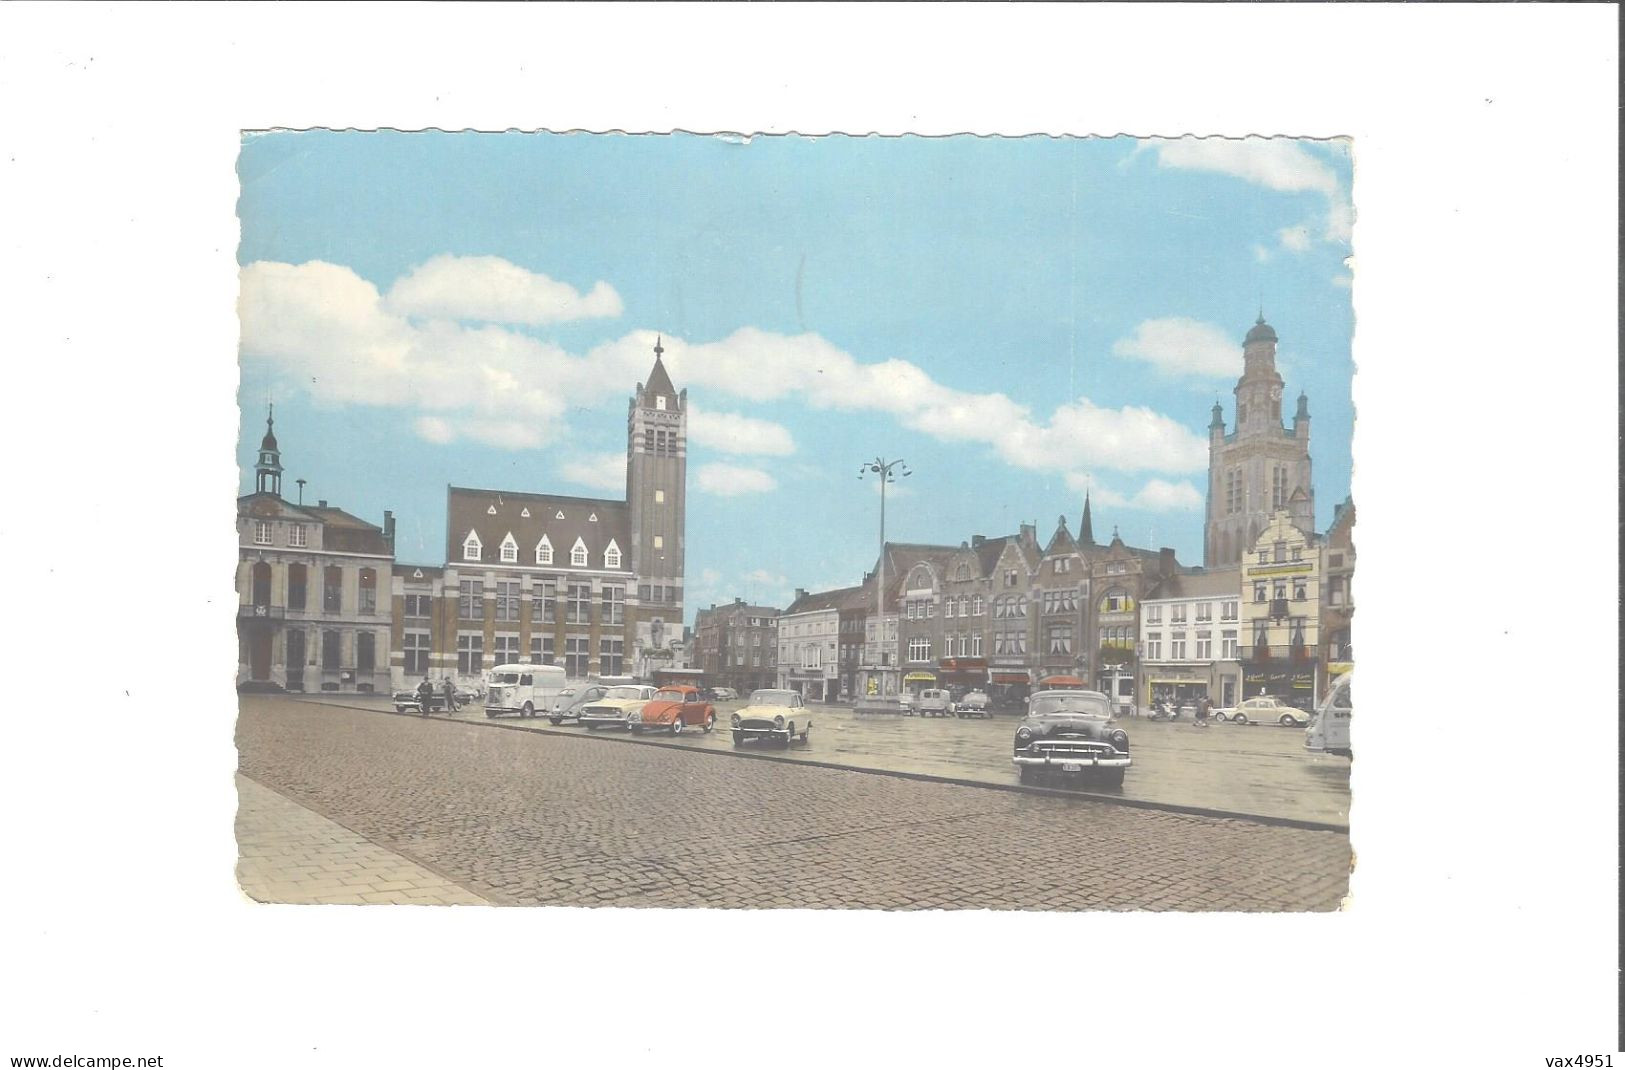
321, 503
1165, 561
1029, 534
977, 540
801, 592
389, 526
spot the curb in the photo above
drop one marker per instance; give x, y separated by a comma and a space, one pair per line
929, 778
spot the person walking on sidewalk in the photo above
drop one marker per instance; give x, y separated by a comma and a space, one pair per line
451, 696
1204, 706
425, 696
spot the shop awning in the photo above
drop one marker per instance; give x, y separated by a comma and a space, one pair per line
1009, 677
920, 678
1061, 681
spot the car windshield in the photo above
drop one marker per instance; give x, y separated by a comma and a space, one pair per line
771, 698
504, 678
1080, 703
669, 695
625, 691
567, 692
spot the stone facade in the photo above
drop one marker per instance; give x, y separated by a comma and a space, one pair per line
313, 585
1190, 638
1280, 613
1260, 468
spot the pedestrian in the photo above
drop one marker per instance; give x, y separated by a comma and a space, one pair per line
425, 695
1204, 706
451, 696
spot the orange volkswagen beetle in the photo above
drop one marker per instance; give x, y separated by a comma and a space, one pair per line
674, 708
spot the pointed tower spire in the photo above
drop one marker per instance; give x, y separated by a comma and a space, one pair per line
268, 469
1086, 527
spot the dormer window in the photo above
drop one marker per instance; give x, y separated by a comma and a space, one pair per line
544, 552
472, 547
510, 549
612, 555
578, 555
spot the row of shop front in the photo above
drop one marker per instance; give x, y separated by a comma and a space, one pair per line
1225, 683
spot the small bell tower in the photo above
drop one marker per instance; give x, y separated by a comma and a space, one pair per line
268, 469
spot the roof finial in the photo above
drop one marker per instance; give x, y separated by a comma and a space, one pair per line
659, 349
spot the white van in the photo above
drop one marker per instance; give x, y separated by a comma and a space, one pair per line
1329, 728
527, 690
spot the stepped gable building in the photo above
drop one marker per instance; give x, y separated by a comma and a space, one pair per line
1261, 467
313, 608
592, 584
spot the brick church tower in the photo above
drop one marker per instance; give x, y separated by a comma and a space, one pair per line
656, 482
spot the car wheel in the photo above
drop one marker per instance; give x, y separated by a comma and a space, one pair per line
1289, 721
739, 739
710, 721
804, 732
555, 720
677, 725
528, 711
789, 733
1240, 718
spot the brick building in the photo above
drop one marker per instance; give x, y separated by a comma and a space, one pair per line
592, 584
737, 645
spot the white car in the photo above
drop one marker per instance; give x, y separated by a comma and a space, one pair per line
615, 709
1262, 709
934, 702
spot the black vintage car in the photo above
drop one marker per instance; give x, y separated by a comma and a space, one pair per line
407, 701
1071, 734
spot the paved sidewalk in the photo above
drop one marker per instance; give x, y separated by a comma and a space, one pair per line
290, 854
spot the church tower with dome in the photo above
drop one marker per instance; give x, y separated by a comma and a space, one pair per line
1260, 468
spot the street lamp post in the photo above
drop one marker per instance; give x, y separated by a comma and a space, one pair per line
887, 472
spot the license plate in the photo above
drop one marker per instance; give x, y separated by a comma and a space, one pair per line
1071, 767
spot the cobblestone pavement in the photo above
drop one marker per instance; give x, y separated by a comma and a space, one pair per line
289, 854
1248, 769
548, 818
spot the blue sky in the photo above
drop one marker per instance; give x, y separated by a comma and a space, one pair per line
1018, 318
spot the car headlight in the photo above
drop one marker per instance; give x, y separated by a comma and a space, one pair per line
1024, 735
778, 722
734, 720
635, 715
1120, 739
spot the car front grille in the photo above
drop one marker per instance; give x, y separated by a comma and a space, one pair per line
1062, 749
756, 722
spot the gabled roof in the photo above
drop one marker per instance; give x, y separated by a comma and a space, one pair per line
468, 509
817, 601
341, 531
1197, 583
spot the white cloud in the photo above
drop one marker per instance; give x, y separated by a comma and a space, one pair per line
493, 290
1156, 496
765, 578
1277, 163
434, 429
1180, 346
335, 337
1295, 238
728, 481
1282, 164
601, 471
728, 432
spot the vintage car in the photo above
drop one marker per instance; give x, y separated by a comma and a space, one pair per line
572, 700
725, 694
406, 701
1071, 732
615, 709
1261, 709
771, 714
674, 708
1329, 730
973, 704
933, 702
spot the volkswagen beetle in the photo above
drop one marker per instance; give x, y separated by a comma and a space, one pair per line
673, 708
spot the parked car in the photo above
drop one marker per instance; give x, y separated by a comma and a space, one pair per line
616, 707
1329, 730
522, 689
934, 702
973, 704
1071, 733
725, 694
771, 714
673, 708
407, 701
1261, 709
572, 700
